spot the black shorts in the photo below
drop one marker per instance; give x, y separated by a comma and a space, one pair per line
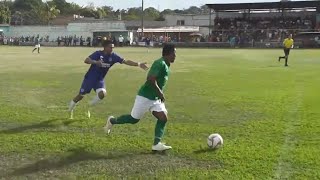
286, 51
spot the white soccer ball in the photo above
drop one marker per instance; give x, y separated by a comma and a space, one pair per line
215, 141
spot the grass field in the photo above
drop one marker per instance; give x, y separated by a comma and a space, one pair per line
267, 114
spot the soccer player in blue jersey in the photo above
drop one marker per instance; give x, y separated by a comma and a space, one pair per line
101, 62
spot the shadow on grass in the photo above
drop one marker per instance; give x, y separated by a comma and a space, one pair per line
204, 150
41, 125
73, 156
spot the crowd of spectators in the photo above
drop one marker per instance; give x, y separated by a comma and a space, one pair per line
232, 30
269, 29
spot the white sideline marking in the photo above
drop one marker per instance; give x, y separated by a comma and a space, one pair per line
284, 169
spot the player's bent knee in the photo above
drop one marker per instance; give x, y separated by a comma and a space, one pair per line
162, 116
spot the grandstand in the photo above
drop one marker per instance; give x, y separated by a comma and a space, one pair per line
262, 24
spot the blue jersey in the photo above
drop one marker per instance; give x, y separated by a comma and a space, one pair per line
96, 73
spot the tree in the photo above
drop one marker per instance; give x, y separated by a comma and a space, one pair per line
17, 18
192, 10
27, 5
108, 10
87, 12
160, 18
151, 13
38, 15
51, 12
62, 5
100, 13
130, 14
73, 8
167, 11
8, 3
205, 9
178, 11
65, 7
30, 10
37, 12
135, 11
5, 14
91, 6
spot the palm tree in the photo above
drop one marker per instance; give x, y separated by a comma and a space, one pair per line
51, 12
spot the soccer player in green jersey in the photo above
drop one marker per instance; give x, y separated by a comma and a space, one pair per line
151, 98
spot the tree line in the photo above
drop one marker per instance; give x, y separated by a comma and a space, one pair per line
31, 12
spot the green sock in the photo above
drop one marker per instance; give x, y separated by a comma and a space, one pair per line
159, 131
124, 119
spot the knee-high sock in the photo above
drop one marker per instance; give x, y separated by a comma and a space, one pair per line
124, 119
159, 131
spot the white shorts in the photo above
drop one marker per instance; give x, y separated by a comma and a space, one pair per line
142, 105
37, 46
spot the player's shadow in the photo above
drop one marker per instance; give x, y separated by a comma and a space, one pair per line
74, 156
42, 125
204, 150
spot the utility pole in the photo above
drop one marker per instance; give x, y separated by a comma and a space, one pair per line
48, 13
142, 18
210, 19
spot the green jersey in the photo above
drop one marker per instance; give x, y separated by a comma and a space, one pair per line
161, 71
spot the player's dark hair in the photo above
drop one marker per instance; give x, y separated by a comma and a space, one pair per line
168, 49
106, 43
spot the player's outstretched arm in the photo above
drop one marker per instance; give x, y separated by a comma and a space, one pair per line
98, 63
89, 61
132, 63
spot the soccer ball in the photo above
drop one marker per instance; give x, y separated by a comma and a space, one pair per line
215, 141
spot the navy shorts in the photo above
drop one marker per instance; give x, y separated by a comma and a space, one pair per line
88, 85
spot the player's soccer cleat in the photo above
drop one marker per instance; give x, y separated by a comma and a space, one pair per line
108, 126
160, 147
279, 59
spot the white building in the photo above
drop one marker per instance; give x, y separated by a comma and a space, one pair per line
201, 21
81, 28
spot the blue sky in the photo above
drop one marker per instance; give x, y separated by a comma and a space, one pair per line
161, 4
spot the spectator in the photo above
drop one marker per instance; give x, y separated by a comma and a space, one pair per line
121, 39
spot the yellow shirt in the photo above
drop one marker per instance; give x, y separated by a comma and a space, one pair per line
288, 43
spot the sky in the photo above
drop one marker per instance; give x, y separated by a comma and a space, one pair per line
159, 4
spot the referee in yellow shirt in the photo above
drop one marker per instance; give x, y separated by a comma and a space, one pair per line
287, 45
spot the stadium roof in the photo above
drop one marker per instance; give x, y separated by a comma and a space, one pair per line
265, 5
182, 29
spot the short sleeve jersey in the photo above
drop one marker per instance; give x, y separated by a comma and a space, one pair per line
288, 43
161, 71
98, 73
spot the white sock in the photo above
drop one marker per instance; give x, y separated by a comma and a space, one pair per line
72, 105
94, 101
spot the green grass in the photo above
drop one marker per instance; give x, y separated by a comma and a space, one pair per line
267, 114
